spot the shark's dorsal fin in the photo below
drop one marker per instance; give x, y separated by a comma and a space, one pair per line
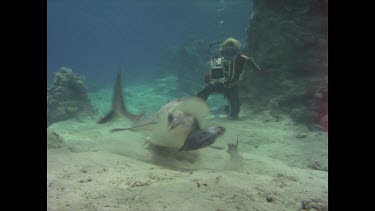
118, 105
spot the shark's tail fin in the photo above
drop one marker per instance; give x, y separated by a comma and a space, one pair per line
118, 105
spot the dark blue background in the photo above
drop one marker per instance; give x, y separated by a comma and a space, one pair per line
96, 37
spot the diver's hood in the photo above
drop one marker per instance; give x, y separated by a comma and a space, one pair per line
229, 51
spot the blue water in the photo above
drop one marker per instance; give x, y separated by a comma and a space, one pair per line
96, 37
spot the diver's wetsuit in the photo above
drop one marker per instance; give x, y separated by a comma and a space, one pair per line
230, 87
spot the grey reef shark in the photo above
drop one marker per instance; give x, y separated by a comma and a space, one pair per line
179, 124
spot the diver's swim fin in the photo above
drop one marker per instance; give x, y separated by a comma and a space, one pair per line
118, 106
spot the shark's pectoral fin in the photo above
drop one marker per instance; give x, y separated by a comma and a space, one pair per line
134, 127
119, 129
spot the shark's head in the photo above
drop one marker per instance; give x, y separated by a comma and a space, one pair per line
176, 118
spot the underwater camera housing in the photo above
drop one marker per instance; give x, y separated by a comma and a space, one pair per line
217, 70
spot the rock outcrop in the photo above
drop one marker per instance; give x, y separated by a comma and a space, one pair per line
67, 97
289, 40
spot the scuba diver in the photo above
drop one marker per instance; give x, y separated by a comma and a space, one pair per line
225, 75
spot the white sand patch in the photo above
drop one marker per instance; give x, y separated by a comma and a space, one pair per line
283, 164
113, 171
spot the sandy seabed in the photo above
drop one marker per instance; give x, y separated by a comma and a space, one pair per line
283, 166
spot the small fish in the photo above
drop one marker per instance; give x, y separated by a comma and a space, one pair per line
233, 149
202, 138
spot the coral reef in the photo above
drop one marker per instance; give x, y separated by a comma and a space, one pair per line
289, 39
67, 97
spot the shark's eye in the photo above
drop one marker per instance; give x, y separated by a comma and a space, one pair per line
170, 119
